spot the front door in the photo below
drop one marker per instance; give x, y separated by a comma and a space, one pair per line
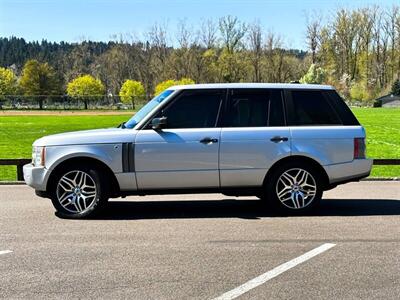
183, 154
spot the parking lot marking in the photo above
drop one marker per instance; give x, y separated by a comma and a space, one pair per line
5, 252
263, 278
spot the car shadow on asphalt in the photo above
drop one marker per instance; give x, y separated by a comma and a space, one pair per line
244, 209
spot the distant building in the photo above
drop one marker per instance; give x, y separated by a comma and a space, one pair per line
389, 100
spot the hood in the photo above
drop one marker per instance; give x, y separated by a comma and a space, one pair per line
95, 136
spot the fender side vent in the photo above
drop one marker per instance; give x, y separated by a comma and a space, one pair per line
128, 163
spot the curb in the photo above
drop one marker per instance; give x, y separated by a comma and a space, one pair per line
12, 183
382, 179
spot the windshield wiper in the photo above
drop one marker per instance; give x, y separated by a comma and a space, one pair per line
122, 125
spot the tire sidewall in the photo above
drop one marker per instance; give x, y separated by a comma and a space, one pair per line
272, 197
100, 197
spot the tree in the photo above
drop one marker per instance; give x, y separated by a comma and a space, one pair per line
314, 75
210, 58
157, 37
8, 83
313, 28
396, 88
168, 83
113, 66
208, 33
274, 57
39, 80
232, 32
164, 85
86, 88
232, 66
181, 59
131, 91
185, 81
360, 92
255, 43
393, 18
352, 45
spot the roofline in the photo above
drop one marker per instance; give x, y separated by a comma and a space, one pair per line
390, 97
252, 85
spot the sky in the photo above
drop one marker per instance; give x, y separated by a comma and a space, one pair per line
73, 20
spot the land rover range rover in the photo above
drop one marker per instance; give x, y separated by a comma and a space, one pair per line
285, 143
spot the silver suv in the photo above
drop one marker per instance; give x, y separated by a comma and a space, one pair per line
284, 143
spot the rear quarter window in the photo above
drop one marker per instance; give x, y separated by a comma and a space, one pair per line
344, 112
310, 108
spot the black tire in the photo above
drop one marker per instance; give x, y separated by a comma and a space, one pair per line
274, 183
96, 203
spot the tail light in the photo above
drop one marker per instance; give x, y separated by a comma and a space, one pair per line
359, 148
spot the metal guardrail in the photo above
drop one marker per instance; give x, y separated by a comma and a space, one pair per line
19, 162
386, 162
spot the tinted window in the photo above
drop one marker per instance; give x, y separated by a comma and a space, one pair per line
255, 108
311, 108
194, 109
144, 111
341, 108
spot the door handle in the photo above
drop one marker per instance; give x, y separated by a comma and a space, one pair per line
278, 139
208, 140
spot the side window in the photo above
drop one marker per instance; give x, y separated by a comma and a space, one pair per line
194, 109
341, 108
311, 108
275, 115
255, 108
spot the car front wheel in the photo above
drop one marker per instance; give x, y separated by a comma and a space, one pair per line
78, 192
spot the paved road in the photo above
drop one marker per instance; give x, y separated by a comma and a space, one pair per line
201, 246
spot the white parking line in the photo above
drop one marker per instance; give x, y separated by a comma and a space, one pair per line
5, 252
263, 278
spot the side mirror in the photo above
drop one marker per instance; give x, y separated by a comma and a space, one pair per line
158, 123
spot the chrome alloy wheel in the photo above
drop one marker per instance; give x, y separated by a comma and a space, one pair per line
296, 188
76, 191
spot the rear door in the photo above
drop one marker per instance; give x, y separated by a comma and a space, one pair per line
253, 136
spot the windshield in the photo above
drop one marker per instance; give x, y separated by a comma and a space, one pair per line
139, 116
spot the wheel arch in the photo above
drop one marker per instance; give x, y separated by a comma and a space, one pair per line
114, 190
299, 158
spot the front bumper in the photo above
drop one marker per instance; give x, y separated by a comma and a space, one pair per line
36, 177
357, 169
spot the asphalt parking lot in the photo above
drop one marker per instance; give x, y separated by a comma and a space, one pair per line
203, 246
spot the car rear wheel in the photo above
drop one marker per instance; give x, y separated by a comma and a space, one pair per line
294, 188
78, 192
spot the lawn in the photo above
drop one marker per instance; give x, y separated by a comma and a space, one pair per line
18, 132
383, 136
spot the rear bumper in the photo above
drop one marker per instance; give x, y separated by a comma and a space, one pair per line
36, 177
351, 171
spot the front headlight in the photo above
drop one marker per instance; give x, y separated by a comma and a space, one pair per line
38, 156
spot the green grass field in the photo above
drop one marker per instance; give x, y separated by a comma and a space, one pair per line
18, 132
383, 136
